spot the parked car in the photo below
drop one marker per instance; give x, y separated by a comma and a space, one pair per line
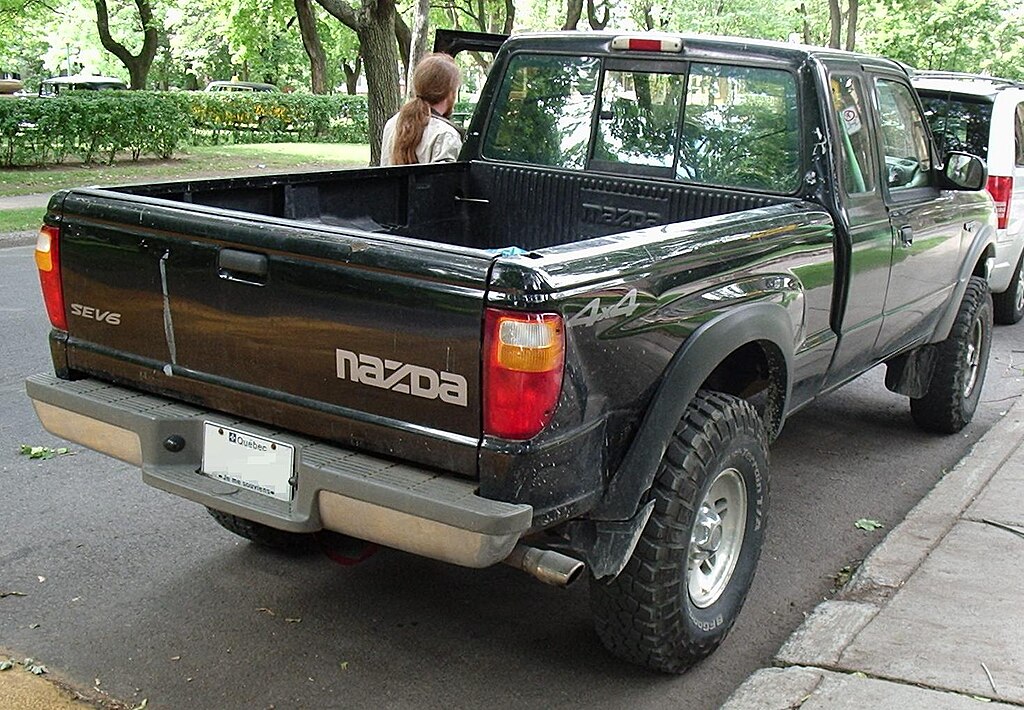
78, 82
984, 115
239, 86
10, 82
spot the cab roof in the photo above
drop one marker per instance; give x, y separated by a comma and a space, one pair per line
703, 46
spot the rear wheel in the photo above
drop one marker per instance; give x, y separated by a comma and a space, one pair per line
686, 581
961, 363
1008, 306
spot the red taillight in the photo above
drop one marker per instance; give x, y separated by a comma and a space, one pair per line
1001, 189
48, 263
524, 356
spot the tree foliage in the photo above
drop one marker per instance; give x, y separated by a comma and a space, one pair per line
954, 35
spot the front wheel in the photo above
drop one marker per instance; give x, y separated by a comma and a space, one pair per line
1009, 305
960, 365
688, 577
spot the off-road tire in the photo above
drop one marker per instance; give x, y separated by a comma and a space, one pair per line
647, 614
1008, 306
265, 535
960, 366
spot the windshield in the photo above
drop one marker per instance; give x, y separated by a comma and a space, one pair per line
958, 122
708, 124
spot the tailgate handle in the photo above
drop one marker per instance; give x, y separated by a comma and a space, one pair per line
242, 266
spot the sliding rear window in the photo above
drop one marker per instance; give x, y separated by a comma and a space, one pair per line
709, 124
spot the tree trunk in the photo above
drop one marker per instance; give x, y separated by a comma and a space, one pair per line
380, 60
418, 44
137, 64
374, 25
314, 48
596, 24
806, 23
851, 25
352, 73
573, 13
510, 17
835, 21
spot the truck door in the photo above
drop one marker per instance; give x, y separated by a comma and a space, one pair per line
926, 232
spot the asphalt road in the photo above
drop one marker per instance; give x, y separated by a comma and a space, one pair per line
146, 595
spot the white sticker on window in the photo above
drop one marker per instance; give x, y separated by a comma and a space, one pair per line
851, 119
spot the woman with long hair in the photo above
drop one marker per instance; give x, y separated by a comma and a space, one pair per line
420, 132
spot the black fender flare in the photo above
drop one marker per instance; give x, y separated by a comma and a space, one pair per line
985, 238
700, 354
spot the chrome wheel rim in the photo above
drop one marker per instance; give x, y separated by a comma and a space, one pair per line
717, 538
973, 356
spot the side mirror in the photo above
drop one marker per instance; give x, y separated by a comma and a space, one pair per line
964, 171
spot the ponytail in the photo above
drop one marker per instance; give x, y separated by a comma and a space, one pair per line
436, 78
413, 118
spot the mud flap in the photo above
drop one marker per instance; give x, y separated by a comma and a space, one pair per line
608, 544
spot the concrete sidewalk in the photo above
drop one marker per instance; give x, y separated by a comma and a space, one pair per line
934, 617
18, 202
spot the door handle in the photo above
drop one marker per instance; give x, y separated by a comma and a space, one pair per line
906, 235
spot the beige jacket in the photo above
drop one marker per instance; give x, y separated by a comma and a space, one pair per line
440, 143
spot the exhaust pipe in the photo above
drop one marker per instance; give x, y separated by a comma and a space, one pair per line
548, 566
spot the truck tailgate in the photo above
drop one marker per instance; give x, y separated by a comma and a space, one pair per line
365, 339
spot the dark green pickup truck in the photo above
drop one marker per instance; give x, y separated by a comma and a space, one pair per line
572, 347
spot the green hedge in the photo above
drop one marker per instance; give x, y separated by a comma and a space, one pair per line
98, 126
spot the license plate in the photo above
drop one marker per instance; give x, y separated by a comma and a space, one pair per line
248, 461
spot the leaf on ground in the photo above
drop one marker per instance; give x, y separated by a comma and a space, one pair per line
265, 610
142, 705
43, 452
34, 668
868, 524
296, 620
343, 665
981, 698
12, 594
6, 665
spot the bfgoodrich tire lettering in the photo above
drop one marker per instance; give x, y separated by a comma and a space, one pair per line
683, 588
961, 363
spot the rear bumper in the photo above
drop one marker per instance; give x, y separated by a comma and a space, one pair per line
401, 506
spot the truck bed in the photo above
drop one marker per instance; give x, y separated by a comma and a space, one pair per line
479, 205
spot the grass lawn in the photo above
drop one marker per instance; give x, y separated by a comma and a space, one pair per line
21, 220
194, 162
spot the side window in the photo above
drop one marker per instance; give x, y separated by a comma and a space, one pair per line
855, 148
908, 160
639, 118
741, 128
543, 111
1018, 134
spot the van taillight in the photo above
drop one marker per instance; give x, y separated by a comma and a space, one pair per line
524, 357
1001, 189
48, 263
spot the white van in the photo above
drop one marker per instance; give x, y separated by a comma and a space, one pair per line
985, 115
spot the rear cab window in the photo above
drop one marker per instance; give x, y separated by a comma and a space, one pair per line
720, 125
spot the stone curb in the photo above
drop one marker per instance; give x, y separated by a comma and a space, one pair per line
17, 239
